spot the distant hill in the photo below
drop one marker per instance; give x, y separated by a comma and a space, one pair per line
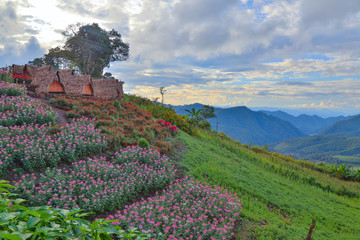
332, 149
346, 128
306, 123
248, 126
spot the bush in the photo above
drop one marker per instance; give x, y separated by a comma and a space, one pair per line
11, 89
143, 143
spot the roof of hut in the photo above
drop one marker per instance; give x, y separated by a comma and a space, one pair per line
18, 69
42, 77
73, 84
107, 88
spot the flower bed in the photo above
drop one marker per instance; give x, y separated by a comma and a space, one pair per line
11, 89
96, 184
123, 123
22, 79
19, 110
34, 147
184, 210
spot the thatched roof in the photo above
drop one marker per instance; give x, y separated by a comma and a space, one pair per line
42, 77
18, 69
108, 89
73, 84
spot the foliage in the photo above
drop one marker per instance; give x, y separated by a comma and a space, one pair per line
37, 62
11, 89
123, 123
19, 110
20, 222
6, 76
98, 185
185, 210
33, 147
91, 48
143, 143
22, 79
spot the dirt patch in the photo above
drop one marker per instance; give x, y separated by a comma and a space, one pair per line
275, 207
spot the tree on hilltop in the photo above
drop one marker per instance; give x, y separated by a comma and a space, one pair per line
88, 49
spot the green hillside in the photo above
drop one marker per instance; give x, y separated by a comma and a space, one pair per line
346, 128
340, 143
183, 182
280, 197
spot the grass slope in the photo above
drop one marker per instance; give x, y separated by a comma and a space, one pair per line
275, 206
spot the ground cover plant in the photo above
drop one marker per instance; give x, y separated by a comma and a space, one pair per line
19, 110
187, 209
164, 113
122, 122
20, 222
34, 147
97, 184
11, 89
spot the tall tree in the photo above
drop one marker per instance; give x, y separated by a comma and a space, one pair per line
92, 48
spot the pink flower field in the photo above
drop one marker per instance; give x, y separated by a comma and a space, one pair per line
187, 209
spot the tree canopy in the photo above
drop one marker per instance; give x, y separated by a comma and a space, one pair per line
88, 48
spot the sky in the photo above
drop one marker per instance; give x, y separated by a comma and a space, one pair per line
277, 53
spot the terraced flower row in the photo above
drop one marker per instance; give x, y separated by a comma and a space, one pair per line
18, 110
11, 89
122, 122
33, 147
99, 185
187, 209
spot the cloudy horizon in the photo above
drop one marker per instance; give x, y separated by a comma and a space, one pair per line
277, 53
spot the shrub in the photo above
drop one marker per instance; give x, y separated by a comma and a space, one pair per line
117, 104
163, 147
143, 143
11, 89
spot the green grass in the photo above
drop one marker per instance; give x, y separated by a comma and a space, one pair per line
275, 206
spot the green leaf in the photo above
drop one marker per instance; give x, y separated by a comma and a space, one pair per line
33, 213
10, 236
33, 221
4, 216
24, 236
19, 200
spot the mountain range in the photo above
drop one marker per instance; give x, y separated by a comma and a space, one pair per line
339, 143
310, 137
248, 126
308, 124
